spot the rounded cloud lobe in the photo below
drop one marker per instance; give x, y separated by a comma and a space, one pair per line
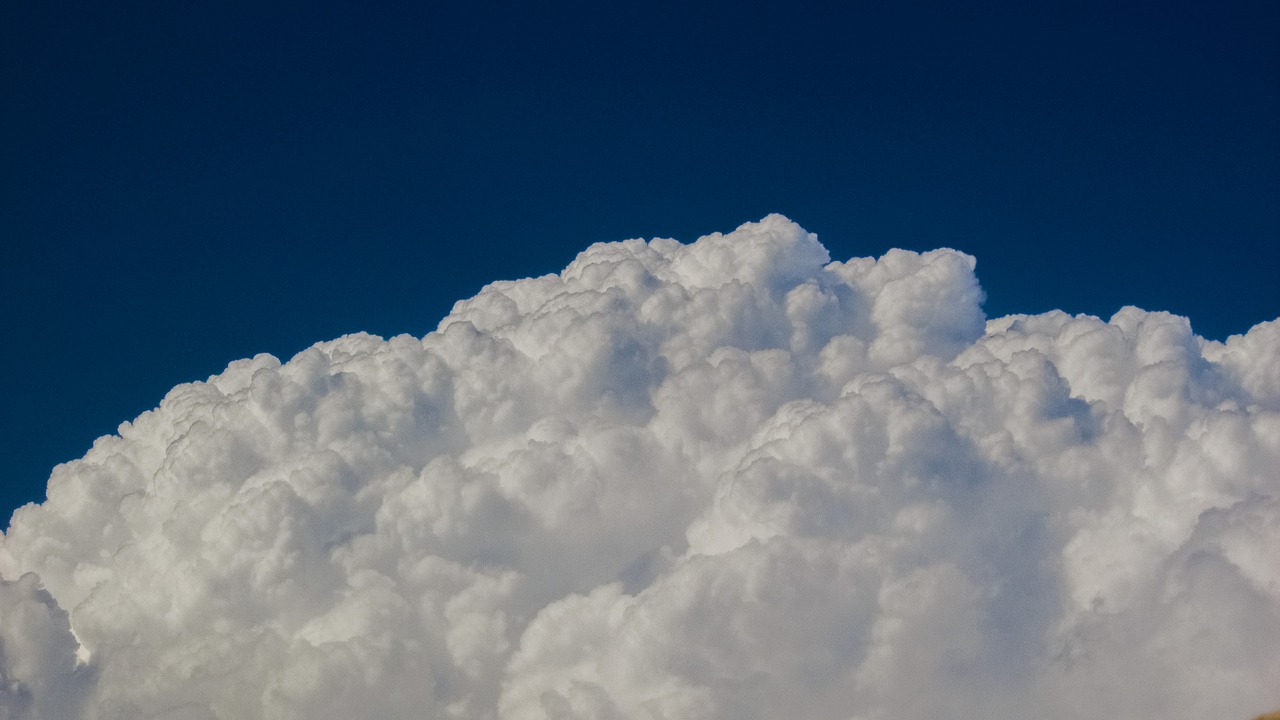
730, 479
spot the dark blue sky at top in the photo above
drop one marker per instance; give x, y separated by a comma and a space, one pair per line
182, 186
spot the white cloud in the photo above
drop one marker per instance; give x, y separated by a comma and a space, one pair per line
729, 479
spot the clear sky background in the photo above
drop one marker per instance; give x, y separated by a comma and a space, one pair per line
182, 186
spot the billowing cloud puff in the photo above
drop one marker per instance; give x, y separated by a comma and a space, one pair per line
730, 479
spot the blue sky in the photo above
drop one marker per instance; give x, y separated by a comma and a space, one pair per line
181, 187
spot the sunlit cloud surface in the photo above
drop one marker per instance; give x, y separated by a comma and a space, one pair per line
728, 479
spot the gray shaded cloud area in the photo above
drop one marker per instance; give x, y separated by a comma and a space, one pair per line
723, 480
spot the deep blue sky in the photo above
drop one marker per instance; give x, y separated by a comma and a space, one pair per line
181, 186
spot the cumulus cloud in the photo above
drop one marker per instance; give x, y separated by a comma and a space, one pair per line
729, 479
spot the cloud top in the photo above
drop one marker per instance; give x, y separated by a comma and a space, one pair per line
728, 479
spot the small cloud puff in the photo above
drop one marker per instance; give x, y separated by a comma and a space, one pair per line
729, 479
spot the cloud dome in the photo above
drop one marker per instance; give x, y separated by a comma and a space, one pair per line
728, 479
